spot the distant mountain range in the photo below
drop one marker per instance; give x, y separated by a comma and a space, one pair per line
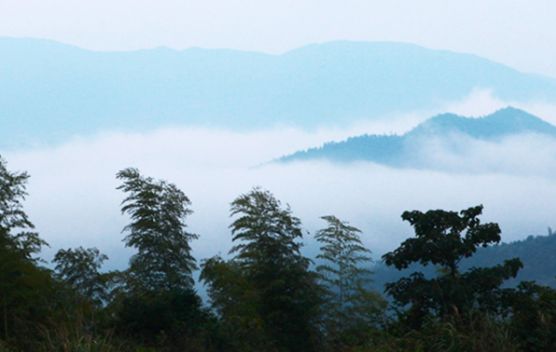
409, 149
51, 91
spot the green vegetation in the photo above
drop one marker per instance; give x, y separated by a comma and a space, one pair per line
267, 295
350, 311
444, 239
280, 297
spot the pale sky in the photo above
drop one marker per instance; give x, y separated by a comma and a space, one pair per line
520, 33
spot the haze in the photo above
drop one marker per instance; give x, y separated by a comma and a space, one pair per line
73, 200
512, 32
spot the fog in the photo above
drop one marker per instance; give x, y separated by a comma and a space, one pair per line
73, 198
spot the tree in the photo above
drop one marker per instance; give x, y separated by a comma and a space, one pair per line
159, 281
237, 305
533, 315
444, 238
79, 268
24, 286
170, 320
350, 308
157, 230
16, 230
267, 235
267, 255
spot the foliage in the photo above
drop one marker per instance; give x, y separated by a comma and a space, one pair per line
16, 230
72, 335
79, 268
538, 254
265, 296
444, 238
236, 303
533, 311
350, 308
157, 230
26, 295
480, 333
159, 280
171, 318
267, 259
266, 235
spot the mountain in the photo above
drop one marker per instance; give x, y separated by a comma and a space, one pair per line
538, 254
411, 148
503, 123
51, 91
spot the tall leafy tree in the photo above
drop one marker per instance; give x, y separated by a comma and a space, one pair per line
343, 270
23, 284
265, 233
159, 302
444, 238
16, 230
158, 211
267, 247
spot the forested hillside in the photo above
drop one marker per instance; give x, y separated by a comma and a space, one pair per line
538, 254
454, 133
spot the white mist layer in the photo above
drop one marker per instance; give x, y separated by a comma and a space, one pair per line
73, 200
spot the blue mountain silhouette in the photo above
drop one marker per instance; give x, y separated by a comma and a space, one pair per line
51, 91
400, 150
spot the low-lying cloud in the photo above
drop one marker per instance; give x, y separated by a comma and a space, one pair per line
520, 155
73, 200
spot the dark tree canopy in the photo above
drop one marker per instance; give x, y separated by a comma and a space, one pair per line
267, 247
158, 300
158, 231
266, 233
25, 288
236, 301
444, 238
16, 230
533, 312
79, 268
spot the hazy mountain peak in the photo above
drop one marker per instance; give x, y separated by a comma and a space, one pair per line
410, 148
501, 123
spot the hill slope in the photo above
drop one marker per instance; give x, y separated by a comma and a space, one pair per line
411, 148
51, 91
538, 254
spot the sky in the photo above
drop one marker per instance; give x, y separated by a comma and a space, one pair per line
518, 33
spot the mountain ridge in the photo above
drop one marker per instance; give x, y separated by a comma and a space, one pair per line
395, 150
502, 122
53, 91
